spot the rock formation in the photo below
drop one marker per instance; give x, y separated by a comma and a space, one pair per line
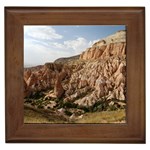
99, 74
113, 45
49, 76
58, 89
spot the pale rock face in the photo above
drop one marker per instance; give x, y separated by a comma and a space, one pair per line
112, 45
104, 71
26, 89
58, 89
27, 75
104, 51
31, 80
51, 104
45, 77
99, 73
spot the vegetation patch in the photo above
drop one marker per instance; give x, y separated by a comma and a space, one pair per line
117, 116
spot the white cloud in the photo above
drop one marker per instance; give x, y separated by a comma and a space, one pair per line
77, 26
57, 45
41, 32
78, 45
92, 42
39, 52
41, 45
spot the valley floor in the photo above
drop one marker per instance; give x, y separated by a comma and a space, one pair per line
117, 116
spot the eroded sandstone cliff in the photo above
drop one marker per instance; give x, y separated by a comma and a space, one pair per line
97, 76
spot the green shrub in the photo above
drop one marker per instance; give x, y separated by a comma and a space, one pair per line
40, 107
100, 105
36, 95
68, 113
112, 108
69, 105
28, 101
83, 108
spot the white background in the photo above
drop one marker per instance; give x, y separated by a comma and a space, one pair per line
96, 3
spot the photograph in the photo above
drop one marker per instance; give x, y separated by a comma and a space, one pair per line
75, 74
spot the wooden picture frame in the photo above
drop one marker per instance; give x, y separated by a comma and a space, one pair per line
131, 132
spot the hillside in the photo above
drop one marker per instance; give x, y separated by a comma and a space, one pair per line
70, 88
67, 59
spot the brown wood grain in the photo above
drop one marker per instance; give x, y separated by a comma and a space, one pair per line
131, 132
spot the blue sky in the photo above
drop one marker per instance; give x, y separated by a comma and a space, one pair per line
47, 43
